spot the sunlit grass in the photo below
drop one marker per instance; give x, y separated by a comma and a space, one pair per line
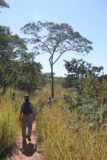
61, 140
52, 129
9, 126
61, 134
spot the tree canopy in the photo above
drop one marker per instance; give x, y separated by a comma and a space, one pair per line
29, 76
84, 76
11, 47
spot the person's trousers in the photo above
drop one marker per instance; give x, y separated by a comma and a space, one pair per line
26, 125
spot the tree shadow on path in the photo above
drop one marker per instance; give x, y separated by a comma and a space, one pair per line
28, 149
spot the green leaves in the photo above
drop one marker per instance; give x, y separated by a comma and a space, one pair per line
83, 76
11, 47
17, 66
29, 76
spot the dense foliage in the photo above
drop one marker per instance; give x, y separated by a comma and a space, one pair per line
11, 46
17, 67
84, 77
29, 77
87, 90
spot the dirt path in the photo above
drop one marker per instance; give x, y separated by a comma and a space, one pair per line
28, 150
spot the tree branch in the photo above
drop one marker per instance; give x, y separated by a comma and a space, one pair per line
46, 47
60, 55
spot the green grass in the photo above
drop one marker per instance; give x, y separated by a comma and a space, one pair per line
9, 126
61, 136
53, 132
60, 139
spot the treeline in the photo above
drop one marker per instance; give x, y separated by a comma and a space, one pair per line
17, 66
19, 69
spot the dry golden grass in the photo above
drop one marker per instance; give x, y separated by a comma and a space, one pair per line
9, 126
60, 140
56, 129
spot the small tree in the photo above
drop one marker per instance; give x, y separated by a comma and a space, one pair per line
55, 39
83, 76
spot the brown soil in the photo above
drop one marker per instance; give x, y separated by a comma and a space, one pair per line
27, 150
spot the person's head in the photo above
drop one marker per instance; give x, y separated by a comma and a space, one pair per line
26, 98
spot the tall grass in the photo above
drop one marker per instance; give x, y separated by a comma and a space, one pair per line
9, 126
52, 130
61, 140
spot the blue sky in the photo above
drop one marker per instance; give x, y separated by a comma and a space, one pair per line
89, 17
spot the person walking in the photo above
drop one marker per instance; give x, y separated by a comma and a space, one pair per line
26, 117
49, 101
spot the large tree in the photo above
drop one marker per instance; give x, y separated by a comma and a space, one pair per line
11, 47
55, 39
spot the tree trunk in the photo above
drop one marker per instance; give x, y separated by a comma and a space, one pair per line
4, 89
52, 82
